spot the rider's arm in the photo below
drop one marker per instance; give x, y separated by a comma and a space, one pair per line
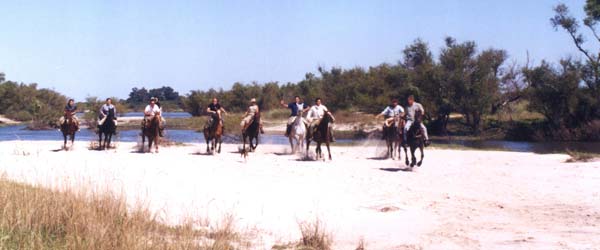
283, 104
209, 111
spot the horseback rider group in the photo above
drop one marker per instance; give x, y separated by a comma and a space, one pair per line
394, 110
297, 107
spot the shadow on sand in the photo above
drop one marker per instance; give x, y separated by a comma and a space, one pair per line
406, 169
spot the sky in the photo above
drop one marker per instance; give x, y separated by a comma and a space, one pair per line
105, 48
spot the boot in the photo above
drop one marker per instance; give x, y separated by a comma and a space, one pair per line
160, 132
288, 129
261, 130
331, 135
383, 132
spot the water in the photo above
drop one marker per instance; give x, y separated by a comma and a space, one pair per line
166, 115
19, 132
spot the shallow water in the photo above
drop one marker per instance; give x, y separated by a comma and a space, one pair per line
19, 132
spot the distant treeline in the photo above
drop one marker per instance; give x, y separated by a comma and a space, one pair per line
25, 102
463, 79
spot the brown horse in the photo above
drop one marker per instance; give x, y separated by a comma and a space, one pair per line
68, 129
213, 134
415, 139
321, 134
393, 134
151, 130
250, 133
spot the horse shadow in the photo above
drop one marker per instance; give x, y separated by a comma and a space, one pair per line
379, 158
406, 169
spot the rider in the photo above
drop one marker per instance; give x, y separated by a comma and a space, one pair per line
105, 109
215, 108
411, 109
150, 111
70, 110
249, 116
297, 107
163, 122
314, 116
390, 112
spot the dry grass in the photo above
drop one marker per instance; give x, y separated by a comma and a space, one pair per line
581, 156
38, 218
314, 236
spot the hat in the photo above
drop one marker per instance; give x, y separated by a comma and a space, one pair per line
253, 100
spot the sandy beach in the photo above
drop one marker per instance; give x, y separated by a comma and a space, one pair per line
458, 199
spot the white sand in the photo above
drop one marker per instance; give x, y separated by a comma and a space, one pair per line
456, 200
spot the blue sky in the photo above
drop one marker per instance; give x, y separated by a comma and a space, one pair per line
104, 48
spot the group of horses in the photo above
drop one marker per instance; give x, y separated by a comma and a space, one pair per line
108, 127
213, 134
394, 138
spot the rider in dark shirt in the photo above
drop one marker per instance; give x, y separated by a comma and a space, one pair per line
215, 108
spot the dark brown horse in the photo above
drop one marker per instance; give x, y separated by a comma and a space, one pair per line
68, 129
250, 133
151, 131
415, 139
393, 134
213, 134
321, 134
108, 128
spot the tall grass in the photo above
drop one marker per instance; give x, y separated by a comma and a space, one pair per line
314, 236
38, 218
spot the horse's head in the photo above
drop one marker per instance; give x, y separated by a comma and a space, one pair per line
418, 116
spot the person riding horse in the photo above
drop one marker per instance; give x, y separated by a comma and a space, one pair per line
297, 107
104, 112
150, 111
216, 112
70, 111
250, 115
390, 113
163, 122
411, 109
314, 116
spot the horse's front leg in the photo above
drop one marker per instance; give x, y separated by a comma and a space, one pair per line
220, 142
406, 155
328, 151
156, 139
413, 159
99, 140
65, 143
72, 139
143, 142
291, 144
422, 156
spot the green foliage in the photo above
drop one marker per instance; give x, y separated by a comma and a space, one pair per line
25, 102
139, 96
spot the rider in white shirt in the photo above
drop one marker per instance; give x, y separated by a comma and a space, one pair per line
315, 114
150, 111
390, 112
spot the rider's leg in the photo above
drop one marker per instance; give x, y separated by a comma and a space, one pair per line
331, 132
288, 128
406, 128
260, 126
425, 134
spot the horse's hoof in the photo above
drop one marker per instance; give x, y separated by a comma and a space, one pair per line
419, 164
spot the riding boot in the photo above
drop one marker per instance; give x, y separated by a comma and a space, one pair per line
160, 132
331, 135
261, 130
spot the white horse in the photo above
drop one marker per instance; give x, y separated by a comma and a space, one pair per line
298, 133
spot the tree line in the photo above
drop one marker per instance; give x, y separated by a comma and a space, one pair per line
462, 79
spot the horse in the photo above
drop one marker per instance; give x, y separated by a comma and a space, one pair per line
393, 134
322, 134
151, 130
414, 138
68, 129
297, 132
213, 134
250, 133
108, 129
